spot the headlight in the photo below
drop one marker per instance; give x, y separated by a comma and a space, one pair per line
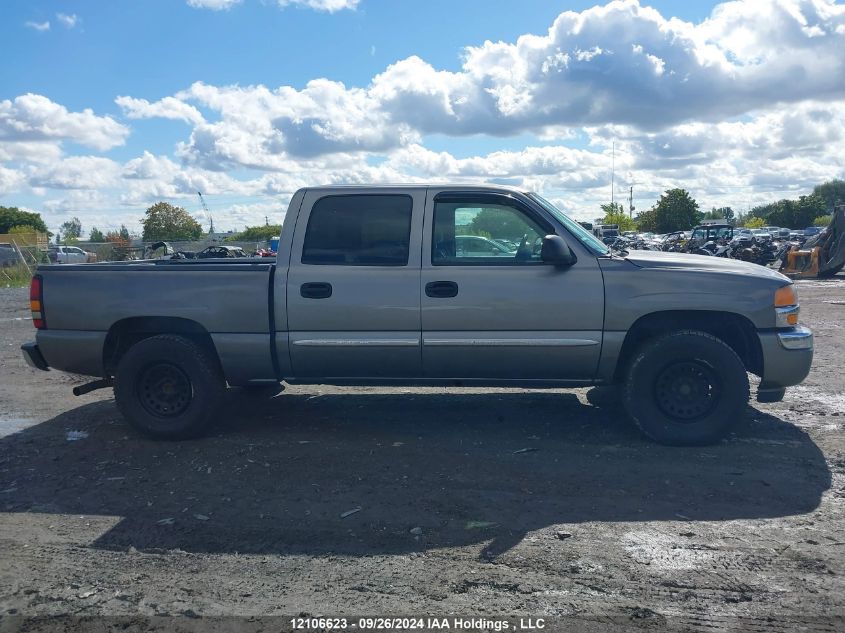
786, 296
786, 306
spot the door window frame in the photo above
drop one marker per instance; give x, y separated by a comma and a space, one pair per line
481, 198
409, 257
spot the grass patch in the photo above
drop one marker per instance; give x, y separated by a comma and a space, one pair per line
17, 276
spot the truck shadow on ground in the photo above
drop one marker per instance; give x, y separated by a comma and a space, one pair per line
419, 470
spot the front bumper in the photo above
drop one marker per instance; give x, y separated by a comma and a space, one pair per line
32, 356
787, 357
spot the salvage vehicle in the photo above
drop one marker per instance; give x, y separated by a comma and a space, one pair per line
479, 246
212, 252
70, 255
369, 288
8, 255
821, 255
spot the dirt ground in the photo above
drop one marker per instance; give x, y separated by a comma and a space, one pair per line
592, 523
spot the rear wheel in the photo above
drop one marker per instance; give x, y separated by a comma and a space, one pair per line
686, 388
168, 387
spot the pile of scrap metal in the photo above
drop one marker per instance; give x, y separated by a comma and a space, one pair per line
822, 255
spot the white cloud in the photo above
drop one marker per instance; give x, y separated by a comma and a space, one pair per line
619, 64
30, 151
11, 180
743, 107
268, 129
69, 21
38, 26
329, 6
214, 5
77, 172
167, 108
34, 117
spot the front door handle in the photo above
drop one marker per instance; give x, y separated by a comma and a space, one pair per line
316, 290
441, 289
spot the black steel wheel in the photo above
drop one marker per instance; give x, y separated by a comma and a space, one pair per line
164, 390
168, 387
685, 388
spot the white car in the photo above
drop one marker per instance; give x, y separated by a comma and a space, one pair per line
70, 255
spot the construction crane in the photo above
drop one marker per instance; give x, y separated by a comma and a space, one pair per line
207, 213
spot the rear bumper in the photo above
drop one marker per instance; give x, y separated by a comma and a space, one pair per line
787, 357
32, 356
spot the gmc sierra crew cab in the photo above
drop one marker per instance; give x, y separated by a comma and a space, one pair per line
376, 285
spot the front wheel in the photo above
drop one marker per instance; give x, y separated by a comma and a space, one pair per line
686, 388
168, 387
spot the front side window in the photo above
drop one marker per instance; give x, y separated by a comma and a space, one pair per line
484, 233
359, 230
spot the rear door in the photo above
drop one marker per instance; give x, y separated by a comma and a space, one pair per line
353, 294
507, 315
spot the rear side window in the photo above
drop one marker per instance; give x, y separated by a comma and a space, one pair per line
359, 231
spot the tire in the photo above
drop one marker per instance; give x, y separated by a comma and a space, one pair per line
685, 388
168, 387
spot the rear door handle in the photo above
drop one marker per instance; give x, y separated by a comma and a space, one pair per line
441, 289
316, 290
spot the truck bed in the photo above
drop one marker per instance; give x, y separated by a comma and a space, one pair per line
226, 298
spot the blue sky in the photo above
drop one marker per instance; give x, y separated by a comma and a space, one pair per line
668, 82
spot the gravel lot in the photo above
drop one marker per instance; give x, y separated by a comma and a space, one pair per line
454, 517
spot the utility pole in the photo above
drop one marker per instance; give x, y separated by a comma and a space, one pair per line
631, 201
612, 172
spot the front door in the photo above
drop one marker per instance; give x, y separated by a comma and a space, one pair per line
491, 308
353, 300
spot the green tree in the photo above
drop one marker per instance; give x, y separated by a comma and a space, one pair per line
722, 213
261, 233
794, 214
96, 235
71, 230
614, 213
675, 211
21, 229
807, 209
163, 221
754, 223
832, 192
497, 223
119, 237
647, 221
12, 216
822, 220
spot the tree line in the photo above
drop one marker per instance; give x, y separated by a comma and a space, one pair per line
162, 221
677, 210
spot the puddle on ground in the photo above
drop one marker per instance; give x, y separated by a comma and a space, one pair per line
8, 426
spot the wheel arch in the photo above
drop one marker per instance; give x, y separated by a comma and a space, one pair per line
127, 332
736, 330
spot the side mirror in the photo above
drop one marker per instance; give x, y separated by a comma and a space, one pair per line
556, 251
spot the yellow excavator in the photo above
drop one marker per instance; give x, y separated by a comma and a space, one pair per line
822, 255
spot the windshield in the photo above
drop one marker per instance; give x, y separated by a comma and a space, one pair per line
580, 233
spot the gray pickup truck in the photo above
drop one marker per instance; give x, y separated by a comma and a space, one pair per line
380, 285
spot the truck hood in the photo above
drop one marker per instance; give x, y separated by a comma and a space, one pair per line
703, 263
